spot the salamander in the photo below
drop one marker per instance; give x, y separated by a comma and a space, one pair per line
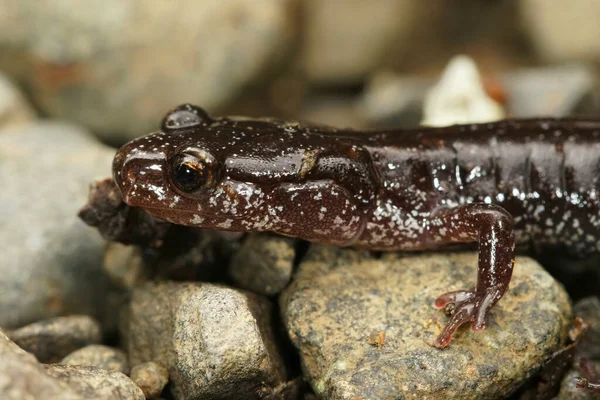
512, 182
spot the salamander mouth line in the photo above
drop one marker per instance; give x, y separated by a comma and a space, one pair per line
195, 212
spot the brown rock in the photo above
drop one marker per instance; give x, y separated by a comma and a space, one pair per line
263, 264
216, 342
124, 265
151, 378
341, 299
51, 340
96, 383
22, 377
97, 355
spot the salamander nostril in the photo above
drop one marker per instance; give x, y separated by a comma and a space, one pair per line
131, 174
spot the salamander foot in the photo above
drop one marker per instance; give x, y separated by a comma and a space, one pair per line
583, 383
469, 306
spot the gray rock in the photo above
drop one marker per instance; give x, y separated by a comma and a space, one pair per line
51, 340
555, 91
96, 383
391, 100
263, 264
22, 377
117, 67
14, 109
215, 342
151, 378
365, 326
97, 355
51, 262
341, 46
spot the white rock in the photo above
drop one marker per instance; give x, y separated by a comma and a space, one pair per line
459, 97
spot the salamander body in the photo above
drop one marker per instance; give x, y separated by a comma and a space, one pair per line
497, 184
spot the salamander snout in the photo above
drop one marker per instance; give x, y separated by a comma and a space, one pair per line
139, 170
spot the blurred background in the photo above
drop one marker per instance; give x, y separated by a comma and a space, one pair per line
115, 67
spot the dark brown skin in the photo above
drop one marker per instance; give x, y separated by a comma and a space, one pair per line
497, 184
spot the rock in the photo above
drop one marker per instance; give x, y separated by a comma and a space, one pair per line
117, 67
124, 265
51, 340
294, 389
151, 378
96, 383
14, 109
365, 326
341, 46
97, 355
555, 91
51, 262
333, 110
263, 264
459, 97
216, 342
563, 33
391, 100
22, 377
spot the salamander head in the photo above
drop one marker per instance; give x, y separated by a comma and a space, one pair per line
179, 173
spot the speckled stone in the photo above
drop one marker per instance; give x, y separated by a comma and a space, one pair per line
51, 262
97, 355
365, 326
96, 383
51, 340
22, 377
263, 264
216, 342
151, 378
118, 66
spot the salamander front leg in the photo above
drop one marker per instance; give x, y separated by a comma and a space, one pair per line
590, 373
491, 226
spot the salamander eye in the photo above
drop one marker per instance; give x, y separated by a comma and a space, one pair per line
184, 116
191, 173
